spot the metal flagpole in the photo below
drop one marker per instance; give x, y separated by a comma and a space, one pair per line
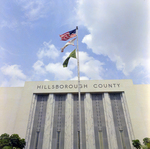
79, 96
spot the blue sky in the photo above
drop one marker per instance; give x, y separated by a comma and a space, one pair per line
113, 40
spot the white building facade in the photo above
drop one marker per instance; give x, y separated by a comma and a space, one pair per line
46, 113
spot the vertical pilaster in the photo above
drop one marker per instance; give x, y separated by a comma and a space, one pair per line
48, 130
110, 127
127, 119
69, 122
30, 121
89, 122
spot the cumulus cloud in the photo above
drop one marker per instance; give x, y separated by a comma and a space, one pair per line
81, 78
91, 67
15, 75
117, 29
39, 67
46, 80
48, 50
59, 72
10, 24
13, 71
34, 9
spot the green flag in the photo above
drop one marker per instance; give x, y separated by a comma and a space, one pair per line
73, 55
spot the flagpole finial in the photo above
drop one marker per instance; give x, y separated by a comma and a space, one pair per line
76, 27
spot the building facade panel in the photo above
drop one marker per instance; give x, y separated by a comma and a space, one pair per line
48, 131
46, 113
101, 140
119, 121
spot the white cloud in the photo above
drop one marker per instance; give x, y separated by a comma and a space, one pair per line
39, 67
13, 71
118, 29
81, 78
35, 9
15, 76
48, 50
46, 80
10, 23
59, 72
91, 67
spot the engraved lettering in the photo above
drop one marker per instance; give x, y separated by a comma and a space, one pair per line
95, 85
80, 86
75, 86
70, 86
100, 85
114, 85
109, 85
61, 86
38, 86
85, 86
105, 85
118, 85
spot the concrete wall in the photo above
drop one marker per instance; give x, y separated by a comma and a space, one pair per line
141, 115
15, 102
10, 99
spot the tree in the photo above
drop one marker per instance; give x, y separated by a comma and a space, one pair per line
4, 140
146, 142
14, 138
22, 143
10, 142
7, 147
136, 144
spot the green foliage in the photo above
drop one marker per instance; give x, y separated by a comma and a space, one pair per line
4, 140
146, 141
11, 142
22, 143
14, 138
148, 145
136, 144
7, 147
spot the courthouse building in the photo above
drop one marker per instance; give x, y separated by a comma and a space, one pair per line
46, 113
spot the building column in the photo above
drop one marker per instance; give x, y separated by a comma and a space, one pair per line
89, 122
110, 127
68, 144
48, 130
30, 121
127, 119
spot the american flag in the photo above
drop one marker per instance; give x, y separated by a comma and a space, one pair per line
68, 35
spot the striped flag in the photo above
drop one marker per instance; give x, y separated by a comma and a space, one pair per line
68, 35
71, 42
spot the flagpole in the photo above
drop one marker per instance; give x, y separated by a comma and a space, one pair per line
79, 96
